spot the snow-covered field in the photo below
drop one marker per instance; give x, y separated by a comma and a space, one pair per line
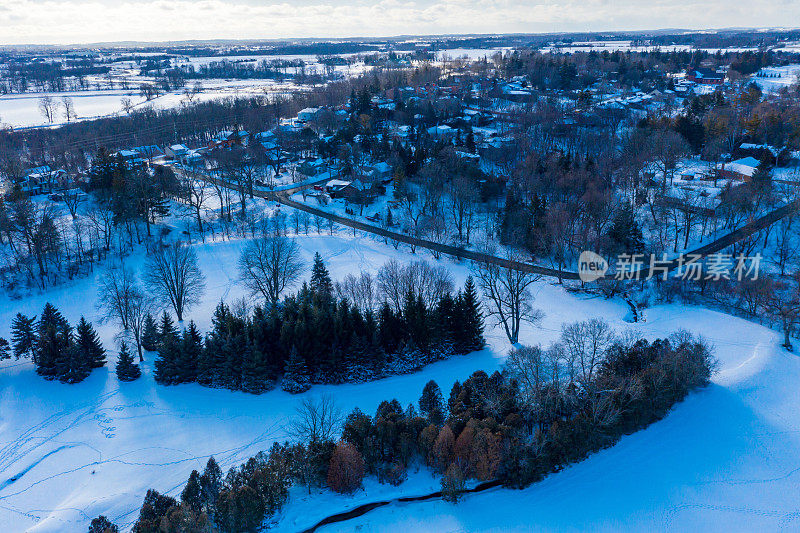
22, 110
772, 79
725, 459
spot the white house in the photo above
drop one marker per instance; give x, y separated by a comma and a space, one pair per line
308, 114
178, 152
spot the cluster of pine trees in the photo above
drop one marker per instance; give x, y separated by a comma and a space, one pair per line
312, 337
58, 350
132, 193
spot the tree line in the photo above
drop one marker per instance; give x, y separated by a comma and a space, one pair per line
316, 337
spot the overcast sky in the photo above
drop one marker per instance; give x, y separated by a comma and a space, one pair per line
81, 21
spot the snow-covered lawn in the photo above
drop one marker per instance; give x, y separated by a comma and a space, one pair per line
722, 459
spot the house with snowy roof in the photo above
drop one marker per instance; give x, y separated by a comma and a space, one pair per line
704, 76
741, 169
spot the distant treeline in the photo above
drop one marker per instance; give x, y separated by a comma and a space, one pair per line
264, 69
725, 39
48, 76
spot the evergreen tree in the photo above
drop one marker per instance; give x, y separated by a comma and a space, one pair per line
127, 370
321, 283
166, 328
192, 494
73, 366
53, 339
265, 335
5, 349
295, 376
415, 315
212, 358
150, 335
167, 365
390, 330
431, 402
235, 349
470, 319
23, 336
89, 344
256, 372
191, 348
625, 235
210, 483
448, 319
156, 506
101, 524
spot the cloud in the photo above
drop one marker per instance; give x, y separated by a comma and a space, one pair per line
76, 21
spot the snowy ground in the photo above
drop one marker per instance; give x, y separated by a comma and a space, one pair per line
725, 459
772, 79
22, 110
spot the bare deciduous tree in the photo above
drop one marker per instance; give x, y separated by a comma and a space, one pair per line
317, 420
122, 299
101, 217
172, 273
127, 104
72, 199
783, 304
48, 107
463, 200
69, 108
507, 295
117, 288
195, 193
360, 291
140, 307
586, 344
395, 281
538, 375
269, 265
